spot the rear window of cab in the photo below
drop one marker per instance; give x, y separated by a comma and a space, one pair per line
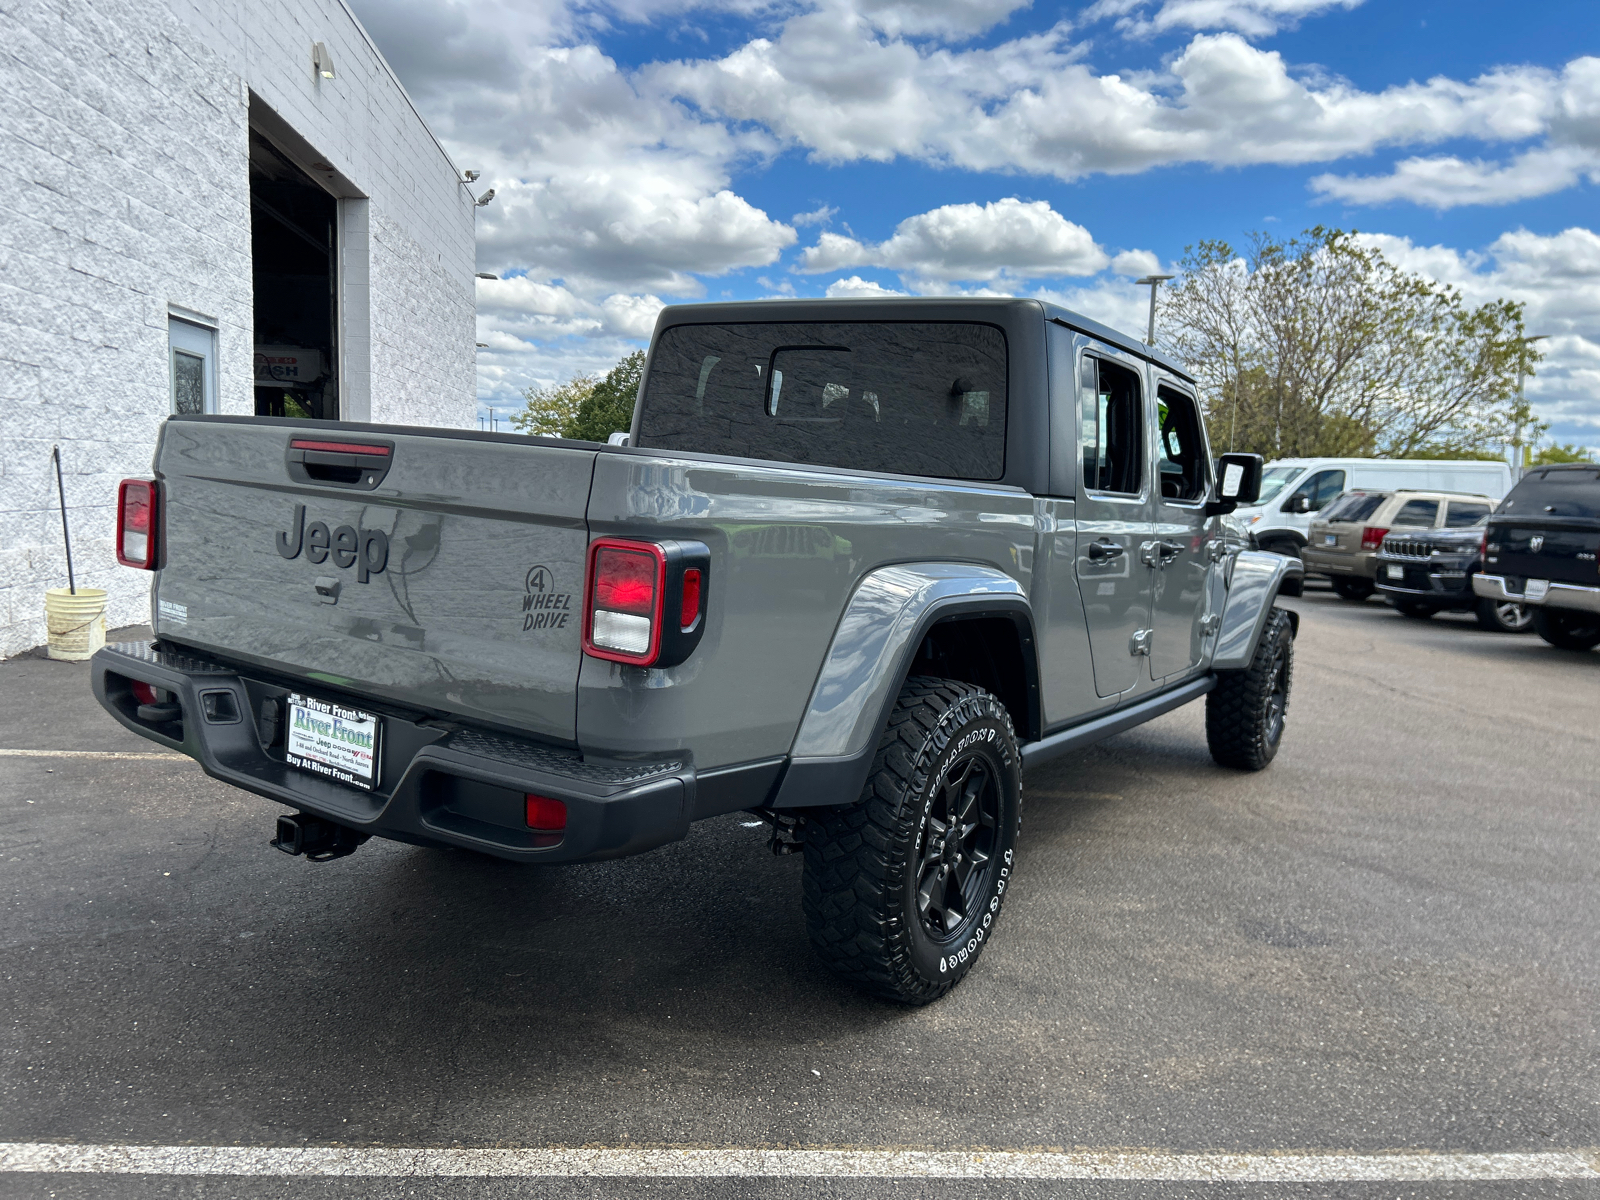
1564, 493
905, 398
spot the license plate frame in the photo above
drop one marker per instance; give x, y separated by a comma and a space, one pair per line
1394, 571
1330, 539
1535, 590
326, 738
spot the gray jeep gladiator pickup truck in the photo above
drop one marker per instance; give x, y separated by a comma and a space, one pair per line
859, 564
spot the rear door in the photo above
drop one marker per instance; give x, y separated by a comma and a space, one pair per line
1113, 516
443, 571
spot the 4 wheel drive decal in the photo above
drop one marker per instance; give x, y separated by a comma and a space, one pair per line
367, 550
543, 607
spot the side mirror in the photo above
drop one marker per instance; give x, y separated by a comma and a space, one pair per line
1300, 504
1238, 482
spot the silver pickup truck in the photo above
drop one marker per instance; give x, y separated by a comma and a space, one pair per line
858, 565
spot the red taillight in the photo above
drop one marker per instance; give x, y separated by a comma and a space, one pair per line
627, 581
1483, 547
1372, 537
144, 693
690, 611
136, 524
546, 814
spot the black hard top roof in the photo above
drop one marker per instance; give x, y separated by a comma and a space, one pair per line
912, 308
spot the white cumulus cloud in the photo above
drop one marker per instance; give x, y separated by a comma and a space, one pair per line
1557, 279
1253, 18
983, 242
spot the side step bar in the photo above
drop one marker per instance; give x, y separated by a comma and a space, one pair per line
1097, 730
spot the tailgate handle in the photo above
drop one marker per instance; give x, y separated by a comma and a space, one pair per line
360, 465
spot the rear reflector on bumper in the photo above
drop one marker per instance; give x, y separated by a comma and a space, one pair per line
545, 813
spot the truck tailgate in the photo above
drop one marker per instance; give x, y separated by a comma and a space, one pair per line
452, 583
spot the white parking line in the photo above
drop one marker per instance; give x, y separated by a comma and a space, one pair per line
1159, 1166
95, 754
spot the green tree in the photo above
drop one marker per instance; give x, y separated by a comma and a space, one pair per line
552, 409
608, 408
1552, 453
1320, 346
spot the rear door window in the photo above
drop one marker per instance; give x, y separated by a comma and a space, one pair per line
1464, 514
1422, 514
908, 398
1356, 506
1111, 431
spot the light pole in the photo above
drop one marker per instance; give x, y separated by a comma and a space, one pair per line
1516, 434
1154, 281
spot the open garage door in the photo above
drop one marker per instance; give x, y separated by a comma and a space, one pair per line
294, 249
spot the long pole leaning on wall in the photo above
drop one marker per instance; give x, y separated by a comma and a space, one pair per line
66, 537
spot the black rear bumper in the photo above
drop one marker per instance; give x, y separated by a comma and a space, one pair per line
439, 783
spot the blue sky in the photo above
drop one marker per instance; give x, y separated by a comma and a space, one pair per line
647, 151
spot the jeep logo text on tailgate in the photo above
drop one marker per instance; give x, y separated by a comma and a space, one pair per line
367, 550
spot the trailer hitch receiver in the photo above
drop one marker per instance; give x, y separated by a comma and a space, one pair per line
318, 839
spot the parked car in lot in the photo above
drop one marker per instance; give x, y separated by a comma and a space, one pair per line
1346, 539
859, 563
1542, 548
1425, 572
1294, 490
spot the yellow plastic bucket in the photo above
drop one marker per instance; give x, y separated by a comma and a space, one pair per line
76, 623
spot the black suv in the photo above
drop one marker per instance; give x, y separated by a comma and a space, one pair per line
1424, 571
1542, 547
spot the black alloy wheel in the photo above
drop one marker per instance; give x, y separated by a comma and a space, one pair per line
1247, 711
955, 849
903, 889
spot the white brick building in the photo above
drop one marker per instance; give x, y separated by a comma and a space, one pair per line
181, 184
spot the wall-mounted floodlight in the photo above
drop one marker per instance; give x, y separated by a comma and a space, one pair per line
486, 275
483, 345
321, 60
485, 198
1154, 281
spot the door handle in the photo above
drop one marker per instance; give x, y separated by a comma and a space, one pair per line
1159, 553
1100, 550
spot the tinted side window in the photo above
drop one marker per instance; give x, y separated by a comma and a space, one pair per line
1423, 513
1318, 490
1181, 440
1111, 429
910, 398
1567, 493
1357, 506
1462, 515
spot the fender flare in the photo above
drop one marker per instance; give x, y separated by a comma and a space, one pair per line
1253, 579
870, 657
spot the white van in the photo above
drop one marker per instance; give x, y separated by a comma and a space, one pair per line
1292, 489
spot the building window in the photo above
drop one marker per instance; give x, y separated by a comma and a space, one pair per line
192, 351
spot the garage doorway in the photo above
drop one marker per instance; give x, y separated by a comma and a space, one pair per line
294, 253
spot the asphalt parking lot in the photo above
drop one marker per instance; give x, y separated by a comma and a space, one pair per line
1388, 941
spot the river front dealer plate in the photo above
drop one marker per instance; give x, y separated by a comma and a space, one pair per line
332, 740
